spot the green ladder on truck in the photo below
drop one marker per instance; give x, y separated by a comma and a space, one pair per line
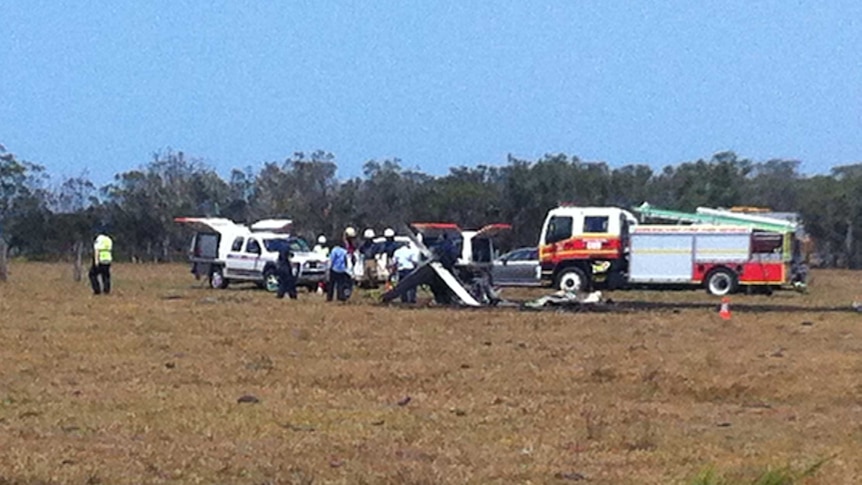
717, 216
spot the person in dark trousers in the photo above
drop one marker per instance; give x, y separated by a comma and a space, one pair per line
101, 268
284, 270
340, 283
406, 259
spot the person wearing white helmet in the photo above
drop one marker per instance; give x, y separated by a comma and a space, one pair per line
365, 249
368, 276
388, 250
321, 249
389, 246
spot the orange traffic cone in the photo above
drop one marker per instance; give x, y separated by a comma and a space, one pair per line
724, 311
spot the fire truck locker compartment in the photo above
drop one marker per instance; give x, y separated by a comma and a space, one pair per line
660, 258
722, 248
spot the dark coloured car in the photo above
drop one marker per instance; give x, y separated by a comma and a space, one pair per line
517, 268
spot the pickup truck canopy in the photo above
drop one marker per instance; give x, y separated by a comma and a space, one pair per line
273, 225
222, 225
212, 224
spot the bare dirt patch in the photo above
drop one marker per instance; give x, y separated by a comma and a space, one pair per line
165, 381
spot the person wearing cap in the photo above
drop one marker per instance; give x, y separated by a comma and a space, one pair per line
100, 270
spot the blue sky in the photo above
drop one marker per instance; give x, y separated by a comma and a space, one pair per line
98, 86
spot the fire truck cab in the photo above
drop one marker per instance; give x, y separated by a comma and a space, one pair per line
580, 245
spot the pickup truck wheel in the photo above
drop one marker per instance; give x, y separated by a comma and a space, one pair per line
572, 279
270, 280
721, 282
217, 279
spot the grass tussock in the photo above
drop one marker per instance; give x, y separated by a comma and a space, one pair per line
785, 475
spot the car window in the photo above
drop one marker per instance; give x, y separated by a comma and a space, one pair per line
237, 244
533, 255
596, 224
518, 255
274, 245
559, 228
252, 247
299, 245
295, 244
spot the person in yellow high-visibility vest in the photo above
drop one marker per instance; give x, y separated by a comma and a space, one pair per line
101, 268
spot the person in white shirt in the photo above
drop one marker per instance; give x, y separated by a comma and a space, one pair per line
406, 258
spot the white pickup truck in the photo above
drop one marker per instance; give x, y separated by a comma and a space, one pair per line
225, 252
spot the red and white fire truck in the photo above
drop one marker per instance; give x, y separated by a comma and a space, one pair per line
581, 248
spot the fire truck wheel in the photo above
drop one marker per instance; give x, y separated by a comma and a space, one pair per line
572, 279
721, 282
217, 279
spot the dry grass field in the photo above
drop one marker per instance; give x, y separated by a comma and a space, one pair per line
142, 386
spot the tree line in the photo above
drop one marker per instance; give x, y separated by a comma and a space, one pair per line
44, 220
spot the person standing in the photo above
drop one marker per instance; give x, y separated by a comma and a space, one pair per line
100, 271
388, 254
368, 260
340, 282
448, 252
320, 248
389, 245
406, 259
284, 270
350, 247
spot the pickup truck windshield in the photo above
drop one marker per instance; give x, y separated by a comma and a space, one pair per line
296, 245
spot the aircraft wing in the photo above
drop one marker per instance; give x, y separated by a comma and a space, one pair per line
426, 274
